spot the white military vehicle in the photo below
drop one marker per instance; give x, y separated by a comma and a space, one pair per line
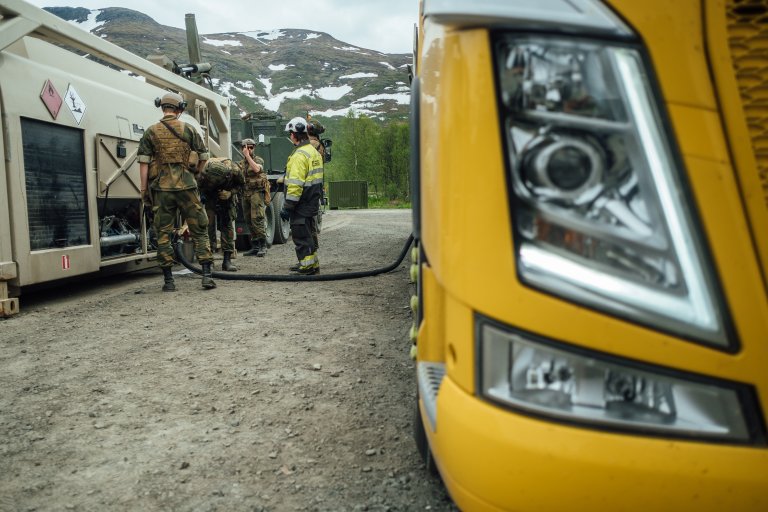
69, 177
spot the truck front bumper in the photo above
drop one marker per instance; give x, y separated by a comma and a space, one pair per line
492, 458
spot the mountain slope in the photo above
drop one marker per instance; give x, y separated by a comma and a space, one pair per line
289, 70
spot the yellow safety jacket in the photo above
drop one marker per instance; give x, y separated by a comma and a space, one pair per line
304, 180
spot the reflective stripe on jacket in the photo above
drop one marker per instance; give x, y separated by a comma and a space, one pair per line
304, 180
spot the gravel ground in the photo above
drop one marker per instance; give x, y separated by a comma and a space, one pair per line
252, 396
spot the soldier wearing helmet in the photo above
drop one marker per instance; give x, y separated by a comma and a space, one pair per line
314, 129
304, 189
173, 189
256, 197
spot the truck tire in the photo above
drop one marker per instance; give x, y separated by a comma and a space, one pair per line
271, 215
282, 227
422, 444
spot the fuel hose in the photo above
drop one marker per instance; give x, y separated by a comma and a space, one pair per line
230, 276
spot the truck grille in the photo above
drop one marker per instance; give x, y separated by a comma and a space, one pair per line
54, 173
748, 41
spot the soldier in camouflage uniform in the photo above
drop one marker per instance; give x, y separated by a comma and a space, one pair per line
221, 205
256, 197
174, 189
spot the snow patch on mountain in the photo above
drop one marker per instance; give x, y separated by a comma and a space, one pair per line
369, 105
331, 93
358, 75
375, 99
217, 42
267, 85
89, 25
274, 101
261, 34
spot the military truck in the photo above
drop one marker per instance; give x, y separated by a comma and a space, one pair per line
69, 198
268, 130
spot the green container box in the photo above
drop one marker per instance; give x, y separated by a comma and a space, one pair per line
348, 194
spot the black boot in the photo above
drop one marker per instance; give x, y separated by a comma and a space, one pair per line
261, 248
255, 247
227, 263
169, 285
208, 283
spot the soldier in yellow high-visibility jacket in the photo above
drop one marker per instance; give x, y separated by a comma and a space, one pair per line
304, 189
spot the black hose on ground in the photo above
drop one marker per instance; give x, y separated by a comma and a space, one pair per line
232, 276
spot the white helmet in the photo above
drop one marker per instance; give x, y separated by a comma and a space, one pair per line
297, 125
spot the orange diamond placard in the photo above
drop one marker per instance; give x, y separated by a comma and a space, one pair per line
51, 98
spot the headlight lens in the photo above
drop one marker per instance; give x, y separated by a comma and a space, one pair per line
562, 383
600, 216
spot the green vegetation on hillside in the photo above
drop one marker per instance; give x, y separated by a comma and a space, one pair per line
379, 153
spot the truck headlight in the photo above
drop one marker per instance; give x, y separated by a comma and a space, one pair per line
600, 211
540, 377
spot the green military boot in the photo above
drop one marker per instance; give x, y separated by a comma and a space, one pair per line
227, 263
169, 285
208, 282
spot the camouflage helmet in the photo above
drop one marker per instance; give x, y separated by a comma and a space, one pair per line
248, 142
315, 127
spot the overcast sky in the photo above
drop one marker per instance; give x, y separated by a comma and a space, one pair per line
382, 25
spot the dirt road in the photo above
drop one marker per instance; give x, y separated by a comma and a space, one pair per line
252, 396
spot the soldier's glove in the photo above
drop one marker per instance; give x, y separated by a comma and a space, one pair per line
285, 214
224, 195
146, 196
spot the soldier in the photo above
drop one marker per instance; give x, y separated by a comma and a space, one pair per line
314, 129
256, 197
304, 188
174, 189
220, 181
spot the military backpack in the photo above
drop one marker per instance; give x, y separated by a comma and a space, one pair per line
219, 174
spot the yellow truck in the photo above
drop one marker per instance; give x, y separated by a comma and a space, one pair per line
69, 177
590, 183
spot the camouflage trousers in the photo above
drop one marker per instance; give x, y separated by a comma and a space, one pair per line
166, 207
221, 215
254, 211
